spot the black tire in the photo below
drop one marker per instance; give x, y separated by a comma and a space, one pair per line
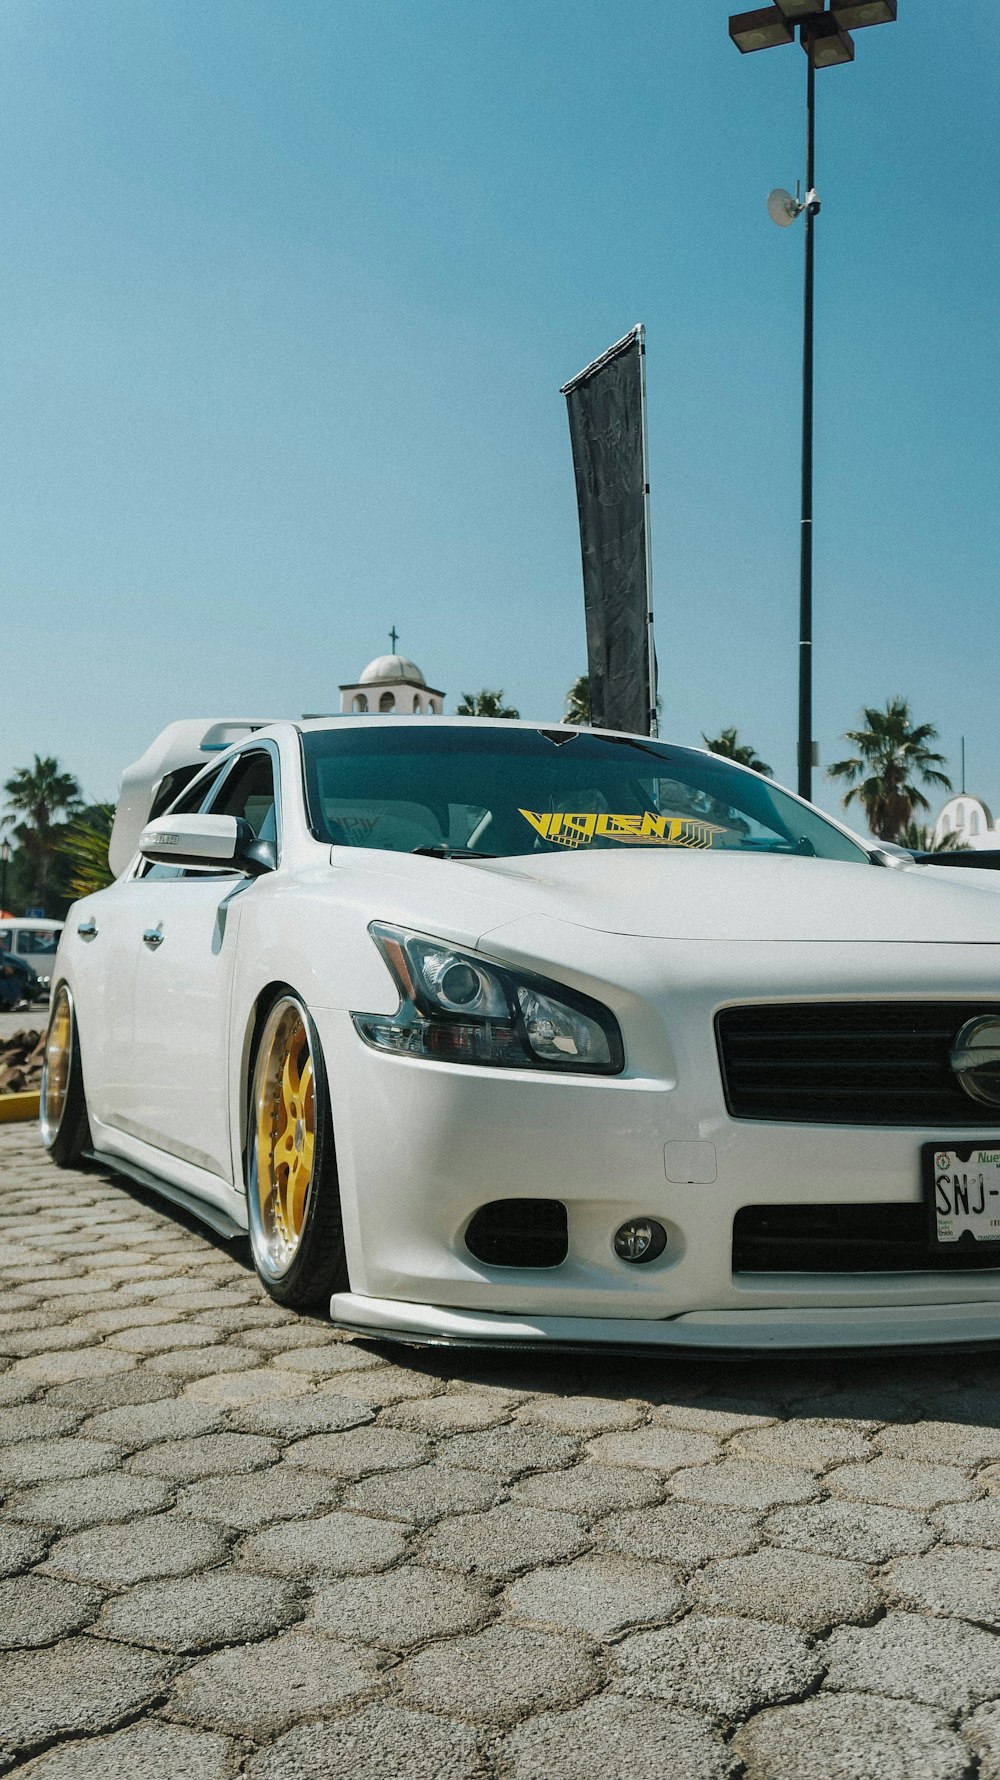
293, 1192
63, 1110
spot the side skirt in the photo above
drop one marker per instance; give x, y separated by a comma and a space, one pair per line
203, 1209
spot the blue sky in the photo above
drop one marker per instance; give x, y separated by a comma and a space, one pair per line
287, 292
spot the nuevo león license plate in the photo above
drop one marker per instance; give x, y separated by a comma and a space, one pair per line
965, 1194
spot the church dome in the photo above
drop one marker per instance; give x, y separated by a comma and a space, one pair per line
391, 668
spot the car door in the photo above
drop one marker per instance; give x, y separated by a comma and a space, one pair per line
186, 936
99, 954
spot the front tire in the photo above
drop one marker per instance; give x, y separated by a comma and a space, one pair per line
63, 1104
293, 1193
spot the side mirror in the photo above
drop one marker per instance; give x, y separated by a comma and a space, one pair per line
225, 843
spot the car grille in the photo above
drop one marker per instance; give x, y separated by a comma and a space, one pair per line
849, 1063
845, 1239
519, 1233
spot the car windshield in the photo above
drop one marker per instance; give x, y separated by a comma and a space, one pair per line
504, 792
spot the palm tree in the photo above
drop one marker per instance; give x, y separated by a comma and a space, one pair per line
920, 839
84, 845
891, 754
485, 704
727, 744
578, 701
38, 794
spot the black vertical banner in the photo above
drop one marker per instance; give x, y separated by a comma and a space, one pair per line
607, 430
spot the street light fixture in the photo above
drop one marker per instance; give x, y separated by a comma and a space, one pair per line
826, 44
852, 16
825, 37
763, 29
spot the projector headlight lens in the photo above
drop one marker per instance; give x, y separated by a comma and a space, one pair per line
460, 1008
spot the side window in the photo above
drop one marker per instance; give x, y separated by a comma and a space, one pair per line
248, 792
189, 805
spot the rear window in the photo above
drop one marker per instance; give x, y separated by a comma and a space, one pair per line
507, 792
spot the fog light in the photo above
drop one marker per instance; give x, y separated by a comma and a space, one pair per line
641, 1239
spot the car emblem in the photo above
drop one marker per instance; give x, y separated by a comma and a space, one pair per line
975, 1059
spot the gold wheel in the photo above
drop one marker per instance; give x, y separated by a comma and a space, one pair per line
56, 1067
284, 1111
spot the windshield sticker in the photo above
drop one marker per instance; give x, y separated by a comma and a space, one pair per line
566, 828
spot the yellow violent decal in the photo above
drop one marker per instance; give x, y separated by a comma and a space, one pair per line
565, 828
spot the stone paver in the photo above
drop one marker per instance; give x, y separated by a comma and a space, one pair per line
951, 1579
185, 1461
901, 1483
330, 1545
237, 1542
259, 1689
251, 1502
614, 1736
850, 1530
79, 1685
20, 1548
982, 1731
906, 1657
425, 1493
39, 1609
745, 1483
724, 1668
149, 1750
852, 1737
141, 1551
504, 1540
685, 1533
597, 1595
405, 1606
500, 1674
796, 1588
381, 1743
196, 1612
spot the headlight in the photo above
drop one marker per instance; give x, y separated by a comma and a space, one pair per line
460, 1008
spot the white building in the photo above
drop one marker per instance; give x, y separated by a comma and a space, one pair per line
970, 820
391, 683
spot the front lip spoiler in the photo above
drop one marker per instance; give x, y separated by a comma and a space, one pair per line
702, 1334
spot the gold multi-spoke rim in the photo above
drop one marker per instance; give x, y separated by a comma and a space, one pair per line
285, 1116
56, 1067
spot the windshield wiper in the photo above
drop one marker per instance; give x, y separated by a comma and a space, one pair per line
454, 853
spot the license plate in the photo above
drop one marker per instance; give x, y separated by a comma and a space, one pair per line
963, 1192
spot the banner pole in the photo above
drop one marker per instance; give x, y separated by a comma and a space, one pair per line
650, 646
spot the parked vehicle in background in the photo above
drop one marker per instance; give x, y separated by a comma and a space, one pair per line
32, 941
19, 984
988, 859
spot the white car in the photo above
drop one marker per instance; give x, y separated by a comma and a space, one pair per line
501, 1033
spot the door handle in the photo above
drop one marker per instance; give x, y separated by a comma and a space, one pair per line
153, 937
87, 929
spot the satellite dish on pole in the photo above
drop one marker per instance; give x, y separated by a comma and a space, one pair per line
782, 208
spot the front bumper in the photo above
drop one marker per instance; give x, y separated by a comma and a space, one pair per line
422, 1146
701, 1332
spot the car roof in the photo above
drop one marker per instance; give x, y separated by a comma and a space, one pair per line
32, 921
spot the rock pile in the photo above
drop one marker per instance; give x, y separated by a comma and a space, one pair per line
21, 1058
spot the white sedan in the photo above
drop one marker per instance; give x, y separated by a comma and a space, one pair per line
492, 1032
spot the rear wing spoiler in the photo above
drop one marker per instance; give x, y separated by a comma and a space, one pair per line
152, 782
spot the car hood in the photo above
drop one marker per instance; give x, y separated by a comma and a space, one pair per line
696, 896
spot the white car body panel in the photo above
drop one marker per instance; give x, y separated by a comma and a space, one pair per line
662, 938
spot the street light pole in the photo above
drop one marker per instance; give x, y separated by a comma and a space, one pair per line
4, 861
825, 35
805, 750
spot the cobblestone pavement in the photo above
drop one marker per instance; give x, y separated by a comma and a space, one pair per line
234, 1542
